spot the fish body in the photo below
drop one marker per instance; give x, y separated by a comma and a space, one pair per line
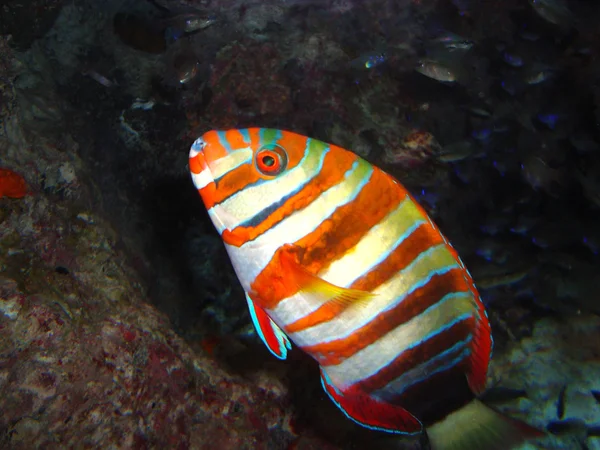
336, 256
368, 61
556, 12
512, 59
453, 42
436, 70
180, 25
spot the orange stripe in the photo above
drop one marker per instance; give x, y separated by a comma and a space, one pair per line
417, 242
334, 352
294, 144
254, 134
324, 313
213, 149
333, 238
335, 166
207, 194
197, 163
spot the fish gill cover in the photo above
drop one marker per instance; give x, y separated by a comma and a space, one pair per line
122, 322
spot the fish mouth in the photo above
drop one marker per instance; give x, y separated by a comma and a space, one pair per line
201, 174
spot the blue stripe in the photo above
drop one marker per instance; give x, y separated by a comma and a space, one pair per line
266, 212
223, 141
429, 368
246, 135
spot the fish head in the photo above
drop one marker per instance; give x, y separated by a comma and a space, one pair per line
240, 172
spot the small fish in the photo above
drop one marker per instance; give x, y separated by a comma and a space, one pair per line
456, 151
524, 224
538, 73
453, 42
481, 134
436, 70
368, 61
553, 11
502, 280
12, 184
336, 256
550, 119
96, 76
540, 175
190, 22
180, 25
494, 251
480, 111
529, 35
186, 68
512, 59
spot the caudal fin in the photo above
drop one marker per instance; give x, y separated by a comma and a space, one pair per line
477, 426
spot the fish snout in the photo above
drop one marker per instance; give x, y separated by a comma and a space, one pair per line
201, 174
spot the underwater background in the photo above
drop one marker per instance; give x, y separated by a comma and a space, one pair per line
122, 323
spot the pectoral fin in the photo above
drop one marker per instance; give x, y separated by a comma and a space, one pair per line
311, 285
273, 337
370, 412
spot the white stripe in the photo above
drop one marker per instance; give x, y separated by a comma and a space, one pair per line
388, 295
382, 352
373, 248
221, 166
251, 258
202, 179
248, 202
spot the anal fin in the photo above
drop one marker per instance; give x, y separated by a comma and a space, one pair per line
274, 338
370, 412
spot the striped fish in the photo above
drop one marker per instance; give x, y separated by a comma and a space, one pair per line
336, 256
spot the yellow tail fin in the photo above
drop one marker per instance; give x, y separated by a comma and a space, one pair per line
476, 427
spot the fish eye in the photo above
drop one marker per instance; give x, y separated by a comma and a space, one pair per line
271, 160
